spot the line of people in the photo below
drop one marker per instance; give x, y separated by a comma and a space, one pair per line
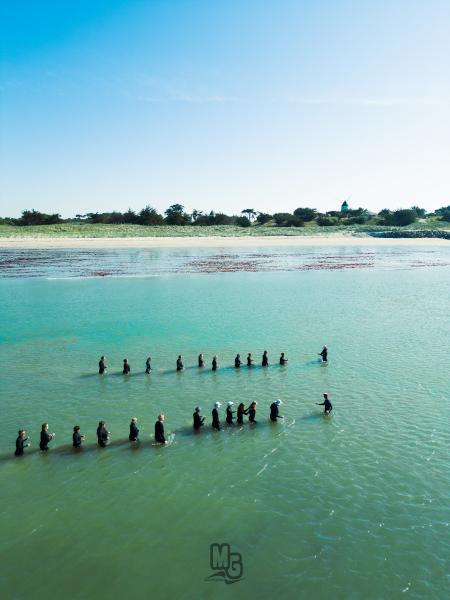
126, 370
103, 434
239, 413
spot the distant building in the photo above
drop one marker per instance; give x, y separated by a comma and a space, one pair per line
344, 206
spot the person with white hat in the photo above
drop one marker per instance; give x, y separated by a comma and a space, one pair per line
198, 419
274, 411
230, 413
215, 416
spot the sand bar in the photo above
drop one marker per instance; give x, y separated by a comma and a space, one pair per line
215, 241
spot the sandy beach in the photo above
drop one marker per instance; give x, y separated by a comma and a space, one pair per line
204, 242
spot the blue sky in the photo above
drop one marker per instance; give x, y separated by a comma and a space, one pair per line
223, 105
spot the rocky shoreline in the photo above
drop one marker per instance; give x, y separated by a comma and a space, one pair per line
417, 234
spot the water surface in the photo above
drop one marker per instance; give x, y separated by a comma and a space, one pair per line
351, 506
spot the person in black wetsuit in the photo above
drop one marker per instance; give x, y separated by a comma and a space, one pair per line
148, 365
134, 430
77, 438
201, 360
20, 442
215, 416
102, 434
46, 437
198, 419
327, 406
252, 413
324, 354
240, 413
237, 361
180, 365
249, 360
214, 363
101, 365
229, 418
283, 360
265, 359
126, 367
274, 411
159, 430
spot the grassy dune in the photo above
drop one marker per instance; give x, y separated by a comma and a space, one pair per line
85, 230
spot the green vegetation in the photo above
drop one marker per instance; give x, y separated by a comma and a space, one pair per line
444, 213
100, 230
413, 222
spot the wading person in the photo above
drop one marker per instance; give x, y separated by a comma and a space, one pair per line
327, 406
265, 359
229, 411
126, 367
148, 365
102, 434
214, 363
215, 416
101, 365
249, 360
21, 442
274, 411
159, 430
201, 360
283, 360
134, 430
324, 354
77, 438
46, 437
180, 365
240, 413
237, 361
197, 418
252, 413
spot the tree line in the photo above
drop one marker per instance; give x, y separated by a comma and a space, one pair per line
176, 215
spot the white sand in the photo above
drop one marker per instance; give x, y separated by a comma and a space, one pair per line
204, 242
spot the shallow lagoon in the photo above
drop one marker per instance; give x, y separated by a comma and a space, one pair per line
352, 506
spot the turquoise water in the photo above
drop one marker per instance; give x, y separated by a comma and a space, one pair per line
355, 505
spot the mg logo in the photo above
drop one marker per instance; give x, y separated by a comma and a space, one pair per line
227, 565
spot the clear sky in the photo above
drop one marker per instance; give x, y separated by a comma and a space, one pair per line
224, 104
